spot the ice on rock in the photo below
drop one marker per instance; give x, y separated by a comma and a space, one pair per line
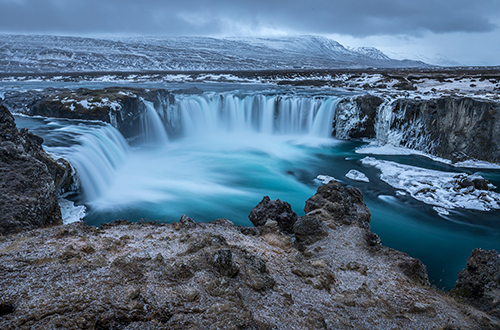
357, 176
443, 189
71, 212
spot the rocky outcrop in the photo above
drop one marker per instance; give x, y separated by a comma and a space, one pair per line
355, 117
120, 106
335, 204
30, 179
269, 211
455, 128
189, 275
450, 127
479, 283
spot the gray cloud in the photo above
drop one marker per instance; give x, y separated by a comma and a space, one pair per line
358, 18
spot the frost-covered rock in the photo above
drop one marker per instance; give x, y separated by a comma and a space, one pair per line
479, 282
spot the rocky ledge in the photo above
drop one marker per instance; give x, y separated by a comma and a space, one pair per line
29, 180
120, 106
450, 127
325, 270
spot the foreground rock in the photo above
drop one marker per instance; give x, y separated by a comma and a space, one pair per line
191, 275
479, 283
29, 180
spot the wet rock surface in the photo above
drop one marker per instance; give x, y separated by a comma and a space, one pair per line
479, 283
29, 181
189, 275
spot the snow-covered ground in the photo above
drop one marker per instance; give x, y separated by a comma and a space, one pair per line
442, 189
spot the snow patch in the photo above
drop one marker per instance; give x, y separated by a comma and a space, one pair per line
437, 188
389, 150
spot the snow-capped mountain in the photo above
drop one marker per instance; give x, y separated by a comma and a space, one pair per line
32, 53
437, 59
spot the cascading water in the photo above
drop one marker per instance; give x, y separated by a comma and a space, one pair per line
225, 138
285, 115
152, 128
99, 152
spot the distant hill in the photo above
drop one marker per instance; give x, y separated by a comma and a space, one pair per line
41, 53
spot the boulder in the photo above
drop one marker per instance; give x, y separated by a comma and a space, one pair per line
273, 210
334, 203
309, 230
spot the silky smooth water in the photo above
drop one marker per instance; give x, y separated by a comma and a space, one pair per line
222, 166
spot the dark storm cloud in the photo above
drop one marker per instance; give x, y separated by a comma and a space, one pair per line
197, 17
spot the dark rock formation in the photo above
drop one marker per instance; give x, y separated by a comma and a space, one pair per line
357, 124
29, 196
450, 127
273, 210
479, 283
120, 106
334, 203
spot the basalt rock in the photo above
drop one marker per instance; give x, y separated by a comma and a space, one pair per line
334, 203
122, 107
479, 283
453, 128
355, 117
29, 195
273, 210
308, 229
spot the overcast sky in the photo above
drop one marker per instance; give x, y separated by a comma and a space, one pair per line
464, 30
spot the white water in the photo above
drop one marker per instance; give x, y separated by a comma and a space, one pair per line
152, 128
100, 152
266, 114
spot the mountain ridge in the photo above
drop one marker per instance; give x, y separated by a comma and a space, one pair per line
44, 53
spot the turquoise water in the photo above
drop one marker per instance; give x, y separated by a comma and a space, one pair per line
224, 174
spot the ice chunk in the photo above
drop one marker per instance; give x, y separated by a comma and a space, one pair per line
357, 176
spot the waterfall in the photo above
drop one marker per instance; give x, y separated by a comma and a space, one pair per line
101, 151
152, 128
385, 117
267, 114
97, 156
